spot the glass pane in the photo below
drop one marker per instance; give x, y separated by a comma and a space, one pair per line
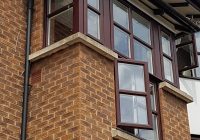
198, 69
121, 41
120, 14
141, 28
93, 24
168, 69
149, 134
153, 98
166, 44
57, 4
184, 39
197, 38
185, 56
133, 109
142, 53
94, 3
131, 77
60, 26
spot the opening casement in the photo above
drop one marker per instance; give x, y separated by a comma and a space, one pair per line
59, 20
193, 71
186, 52
133, 107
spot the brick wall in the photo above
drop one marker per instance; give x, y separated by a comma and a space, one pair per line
72, 96
174, 117
12, 44
38, 26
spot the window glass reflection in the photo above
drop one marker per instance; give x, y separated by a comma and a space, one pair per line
133, 109
131, 77
141, 28
60, 26
142, 53
198, 69
94, 3
121, 41
120, 14
197, 38
57, 4
168, 69
93, 24
149, 134
166, 44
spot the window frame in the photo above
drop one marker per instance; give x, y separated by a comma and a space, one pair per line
196, 53
48, 15
173, 58
101, 20
145, 94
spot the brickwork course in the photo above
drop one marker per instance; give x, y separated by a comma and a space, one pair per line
12, 44
174, 117
72, 93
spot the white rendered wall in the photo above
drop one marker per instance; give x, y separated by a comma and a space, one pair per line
192, 87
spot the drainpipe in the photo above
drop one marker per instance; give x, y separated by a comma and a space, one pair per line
30, 4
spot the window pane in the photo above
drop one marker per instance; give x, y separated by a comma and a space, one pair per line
184, 39
166, 44
133, 109
57, 4
197, 38
153, 98
94, 3
93, 24
121, 41
120, 14
60, 26
198, 69
131, 77
149, 134
168, 69
185, 56
142, 53
141, 28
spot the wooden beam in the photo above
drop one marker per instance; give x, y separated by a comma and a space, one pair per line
180, 4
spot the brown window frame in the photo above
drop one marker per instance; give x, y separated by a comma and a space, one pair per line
48, 15
172, 58
145, 94
193, 43
156, 110
101, 24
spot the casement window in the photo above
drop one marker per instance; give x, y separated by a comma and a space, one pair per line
151, 134
132, 34
188, 54
168, 59
133, 94
59, 18
94, 14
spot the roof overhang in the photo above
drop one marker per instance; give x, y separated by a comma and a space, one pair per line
181, 15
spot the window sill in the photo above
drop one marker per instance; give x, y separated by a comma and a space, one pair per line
120, 135
176, 92
73, 39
